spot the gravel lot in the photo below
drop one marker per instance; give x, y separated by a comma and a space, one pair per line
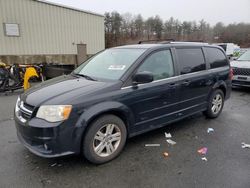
228, 164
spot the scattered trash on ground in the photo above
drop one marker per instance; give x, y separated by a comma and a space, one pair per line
165, 154
56, 164
168, 135
53, 165
152, 145
210, 130
171, 142
244, 145
204, 158
202, 151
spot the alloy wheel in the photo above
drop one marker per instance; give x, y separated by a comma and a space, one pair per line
107, 140
217, 103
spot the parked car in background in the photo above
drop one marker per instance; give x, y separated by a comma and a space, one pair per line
119, 93
241, 70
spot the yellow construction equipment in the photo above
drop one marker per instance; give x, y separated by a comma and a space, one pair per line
30, 72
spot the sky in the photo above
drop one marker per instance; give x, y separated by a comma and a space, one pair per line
212, 11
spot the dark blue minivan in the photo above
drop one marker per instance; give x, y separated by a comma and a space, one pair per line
119, 93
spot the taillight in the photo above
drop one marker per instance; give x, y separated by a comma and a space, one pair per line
231, 74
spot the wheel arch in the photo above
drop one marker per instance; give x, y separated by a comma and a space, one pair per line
208, 112
119, 113
114, 108
220, 85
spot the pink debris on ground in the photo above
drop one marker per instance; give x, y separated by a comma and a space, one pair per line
202, 151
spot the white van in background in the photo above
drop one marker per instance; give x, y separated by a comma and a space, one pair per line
230, 48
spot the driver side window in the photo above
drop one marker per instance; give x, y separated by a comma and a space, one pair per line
160, 64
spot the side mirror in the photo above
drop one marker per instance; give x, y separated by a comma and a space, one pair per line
142, 78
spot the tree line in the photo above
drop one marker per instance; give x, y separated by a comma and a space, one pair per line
126, 28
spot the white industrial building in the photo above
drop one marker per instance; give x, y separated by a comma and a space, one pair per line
35, 31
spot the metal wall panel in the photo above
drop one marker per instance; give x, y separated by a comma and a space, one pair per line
49, 29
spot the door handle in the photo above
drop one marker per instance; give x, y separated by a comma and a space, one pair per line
172, 85
185, 83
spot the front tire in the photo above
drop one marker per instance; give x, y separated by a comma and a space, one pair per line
105, 139
215, 104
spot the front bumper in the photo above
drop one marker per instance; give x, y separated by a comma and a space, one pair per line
60, 140
243, 81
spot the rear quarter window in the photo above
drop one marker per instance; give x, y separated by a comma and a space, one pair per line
216, 58
190, 60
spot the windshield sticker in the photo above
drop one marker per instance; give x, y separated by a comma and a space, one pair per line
117, 67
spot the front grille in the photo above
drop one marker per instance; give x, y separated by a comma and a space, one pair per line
241, 71
25, 111
29, 107
25, 115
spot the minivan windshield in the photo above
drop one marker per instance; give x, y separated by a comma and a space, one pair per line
245, 56
110, 64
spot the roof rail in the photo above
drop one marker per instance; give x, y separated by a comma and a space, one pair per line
162, 41
195, 41
188, 42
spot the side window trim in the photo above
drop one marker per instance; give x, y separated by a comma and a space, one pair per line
189, 47
207, 56
175, 68
153, 52
176, 64
175, 61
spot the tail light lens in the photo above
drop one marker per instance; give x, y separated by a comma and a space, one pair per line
231, 74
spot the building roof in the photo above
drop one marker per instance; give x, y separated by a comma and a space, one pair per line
69, 7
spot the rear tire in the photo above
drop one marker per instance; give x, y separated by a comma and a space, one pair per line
215, 104
105, 139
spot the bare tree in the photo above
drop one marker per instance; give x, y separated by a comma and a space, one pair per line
128, 28
139, 25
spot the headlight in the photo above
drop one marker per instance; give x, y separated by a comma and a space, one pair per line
54, 113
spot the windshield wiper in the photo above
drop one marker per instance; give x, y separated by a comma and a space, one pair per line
85, 76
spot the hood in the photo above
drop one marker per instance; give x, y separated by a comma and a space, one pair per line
240, 64
61, 90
